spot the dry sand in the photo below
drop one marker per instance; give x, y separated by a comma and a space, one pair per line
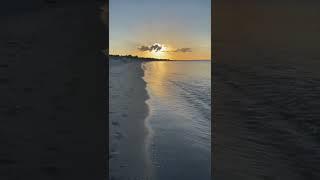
52, 107
128, 158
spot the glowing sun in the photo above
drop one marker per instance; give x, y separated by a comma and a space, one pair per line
161, 53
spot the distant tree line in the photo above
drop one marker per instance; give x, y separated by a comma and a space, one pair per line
137, 58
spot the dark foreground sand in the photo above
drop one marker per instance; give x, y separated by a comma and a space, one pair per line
52, 107
128, 157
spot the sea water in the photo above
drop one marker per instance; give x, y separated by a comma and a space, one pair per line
179, 120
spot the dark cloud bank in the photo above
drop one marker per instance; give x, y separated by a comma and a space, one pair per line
183, 50
157, 48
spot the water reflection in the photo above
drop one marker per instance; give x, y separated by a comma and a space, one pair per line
179, 118
156, 76
160, 74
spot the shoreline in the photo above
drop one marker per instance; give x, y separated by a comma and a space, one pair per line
145, 59
128, 129
179, 117
148, 137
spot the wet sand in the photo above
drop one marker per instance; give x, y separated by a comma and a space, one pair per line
52, 77
128, 156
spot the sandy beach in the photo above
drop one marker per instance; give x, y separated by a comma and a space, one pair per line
52, 77
155, 116
128, 157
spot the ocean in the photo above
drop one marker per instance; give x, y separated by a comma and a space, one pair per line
179, 119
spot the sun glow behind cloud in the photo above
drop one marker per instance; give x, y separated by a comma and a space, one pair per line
181, 36
158, 54
157, 50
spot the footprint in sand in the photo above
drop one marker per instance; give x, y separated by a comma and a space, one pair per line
118, 135
115, 123
124, 115
123, 165
113, 155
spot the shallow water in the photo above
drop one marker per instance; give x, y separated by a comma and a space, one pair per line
179, 119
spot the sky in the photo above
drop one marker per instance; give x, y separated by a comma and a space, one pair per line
169, 29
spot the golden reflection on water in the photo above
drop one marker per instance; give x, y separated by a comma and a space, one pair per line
160, 74
156, 76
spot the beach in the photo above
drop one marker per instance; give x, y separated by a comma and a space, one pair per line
52, 79
128, 157
159, 115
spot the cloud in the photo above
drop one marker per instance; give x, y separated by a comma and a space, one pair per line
155, 47
158, 47
183, 50
144, 48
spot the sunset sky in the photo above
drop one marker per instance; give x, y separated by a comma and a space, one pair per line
171, 29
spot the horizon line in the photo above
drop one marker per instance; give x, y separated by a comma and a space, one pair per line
160, 58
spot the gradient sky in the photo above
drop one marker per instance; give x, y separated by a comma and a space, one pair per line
176, 25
